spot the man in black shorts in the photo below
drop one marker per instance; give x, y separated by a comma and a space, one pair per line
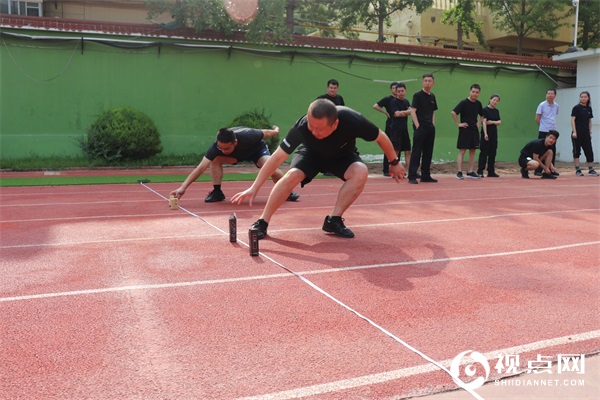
398, 131
471, 115
232, 146
538, 154
325, 140
384, 106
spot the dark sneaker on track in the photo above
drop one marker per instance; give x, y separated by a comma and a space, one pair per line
336, 226
429, 180
293, 196
578, 173
214, 196
473, 175
261, 226
493, 175
548, 176
592, 173
459, 175
413, 181
555, 173
524, 173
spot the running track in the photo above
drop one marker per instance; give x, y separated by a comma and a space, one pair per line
106, 293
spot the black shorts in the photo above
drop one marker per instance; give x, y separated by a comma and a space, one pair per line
468, 138
523, 161
254, 157
311, 165
400, 140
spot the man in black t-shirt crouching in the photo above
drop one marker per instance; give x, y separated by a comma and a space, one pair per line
538, 154
232, 146
323, 140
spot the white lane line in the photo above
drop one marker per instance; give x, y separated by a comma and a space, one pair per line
287, 275
387, 376
483, 217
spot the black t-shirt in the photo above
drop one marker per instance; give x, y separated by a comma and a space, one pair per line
425, 105
342, 141
386, 103
536, 146
582, 115
469, 110
337, 99
249, 142
491, 114
399, 123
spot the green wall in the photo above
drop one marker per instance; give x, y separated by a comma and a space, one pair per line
52, 91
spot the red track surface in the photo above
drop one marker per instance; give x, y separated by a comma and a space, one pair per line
106, 293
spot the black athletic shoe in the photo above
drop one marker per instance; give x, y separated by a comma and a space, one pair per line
537, 173
293, 196
473, 175
524, 173
261, 226
413, 181
592, 172
555, 173
492, 175
336, 226
548, 176
429, 180
214, 196
578, 173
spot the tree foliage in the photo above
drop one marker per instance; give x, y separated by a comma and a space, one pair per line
275, 20
589, 24
527, 17
462, 14
374, 12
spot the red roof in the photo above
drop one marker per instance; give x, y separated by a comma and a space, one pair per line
154, 30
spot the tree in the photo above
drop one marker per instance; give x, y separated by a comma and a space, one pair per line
374, 12
269, 23
275, 20
526, 17
589, 24
462, 14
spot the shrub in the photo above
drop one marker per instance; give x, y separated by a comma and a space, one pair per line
259, 120
122, 133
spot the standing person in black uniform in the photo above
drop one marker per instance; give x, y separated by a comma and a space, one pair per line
581, 124
399, 126
489, 138
323, 140
233, 145
331, 95
385, 106
471, 114
422, 112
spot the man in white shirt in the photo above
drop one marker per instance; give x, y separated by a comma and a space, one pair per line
545, 117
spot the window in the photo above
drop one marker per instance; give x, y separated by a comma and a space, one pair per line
30, 8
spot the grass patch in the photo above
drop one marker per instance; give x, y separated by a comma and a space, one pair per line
103, 180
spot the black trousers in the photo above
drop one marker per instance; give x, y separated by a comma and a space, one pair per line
487, 153
422, 151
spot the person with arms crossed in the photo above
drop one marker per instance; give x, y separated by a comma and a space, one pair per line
322, 140
399, 125
384, 106
489, 138
422, 112
545, 117
232, 146
581, 124
471, 115
538, 154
